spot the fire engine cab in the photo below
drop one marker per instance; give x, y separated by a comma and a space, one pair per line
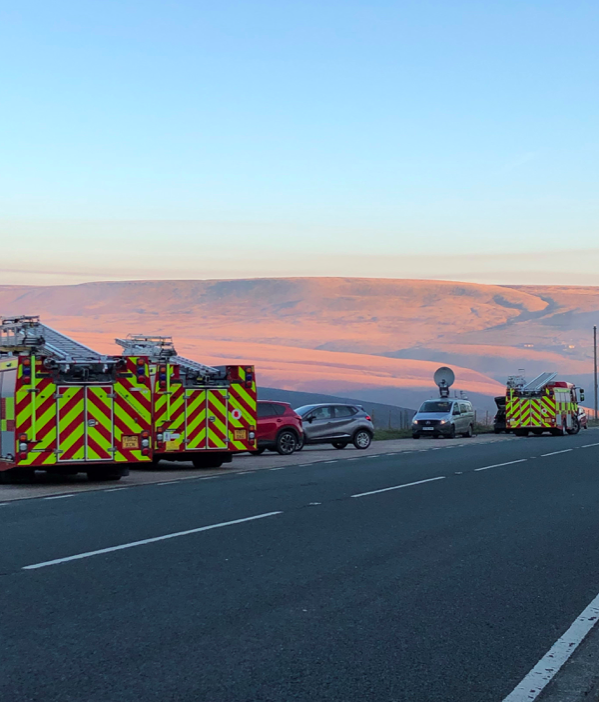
65, 408
542, 405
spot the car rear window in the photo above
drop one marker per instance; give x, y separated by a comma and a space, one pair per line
266, 409
345, 411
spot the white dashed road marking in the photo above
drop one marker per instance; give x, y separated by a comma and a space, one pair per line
498, 465
399, 487
555, 453
132, 544
58, 497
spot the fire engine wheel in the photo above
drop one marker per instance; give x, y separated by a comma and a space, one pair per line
17, 475
101, 476
286, 443
208, 461
575, 427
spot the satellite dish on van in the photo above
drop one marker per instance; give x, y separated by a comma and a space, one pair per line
444, 377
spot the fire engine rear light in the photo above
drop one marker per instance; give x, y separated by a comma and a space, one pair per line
145, 443
145, 435
252, 435
22, 437
23, 456
23, 447
145, 451
247, 384
159, 437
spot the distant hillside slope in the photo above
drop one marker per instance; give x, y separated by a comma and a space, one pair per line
332, 335
383, 416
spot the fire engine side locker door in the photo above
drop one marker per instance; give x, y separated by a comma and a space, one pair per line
195, 419
71, 423
217, 416
99, 411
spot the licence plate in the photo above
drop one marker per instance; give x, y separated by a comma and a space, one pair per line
428, 428
240, 435
130, 442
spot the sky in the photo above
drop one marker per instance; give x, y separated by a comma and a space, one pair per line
190, 139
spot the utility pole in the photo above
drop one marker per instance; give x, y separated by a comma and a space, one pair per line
595, 366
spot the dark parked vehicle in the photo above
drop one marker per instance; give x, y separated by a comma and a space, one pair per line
279, 427
337, 424
499, 421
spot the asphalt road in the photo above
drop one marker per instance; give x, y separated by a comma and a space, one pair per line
447, 590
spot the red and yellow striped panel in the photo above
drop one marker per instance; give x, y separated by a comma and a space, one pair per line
36, 416
132, 410
99, 423
217, 401
195, 419
242, 411
169, 417
71, 423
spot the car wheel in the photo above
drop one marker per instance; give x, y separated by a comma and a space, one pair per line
286, 443
470, 433
451, 434
340, 444
301, 442
362, 439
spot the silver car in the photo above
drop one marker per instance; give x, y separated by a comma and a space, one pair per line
336, 424
444, 417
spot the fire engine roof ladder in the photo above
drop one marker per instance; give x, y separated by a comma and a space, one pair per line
160, 349
26, 333
539, 382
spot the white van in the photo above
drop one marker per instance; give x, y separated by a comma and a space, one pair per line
444, 417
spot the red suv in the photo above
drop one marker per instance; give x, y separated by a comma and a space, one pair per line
279, 427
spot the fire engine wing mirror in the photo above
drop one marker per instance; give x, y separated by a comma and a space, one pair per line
581, 395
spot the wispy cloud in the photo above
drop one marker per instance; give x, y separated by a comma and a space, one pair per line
518, 161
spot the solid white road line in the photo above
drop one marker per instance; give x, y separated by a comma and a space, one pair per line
589, 445
147, 541
331, 461
551, 663
554, 453
498, 465
398, 487
168, 482
115, 489
281, 467
58, 497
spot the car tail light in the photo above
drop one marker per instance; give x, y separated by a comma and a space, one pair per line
368, 418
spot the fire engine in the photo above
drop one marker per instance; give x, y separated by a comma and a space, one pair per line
65, 408
541, 405
200, 413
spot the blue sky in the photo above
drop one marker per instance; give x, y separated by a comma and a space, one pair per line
194, 139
